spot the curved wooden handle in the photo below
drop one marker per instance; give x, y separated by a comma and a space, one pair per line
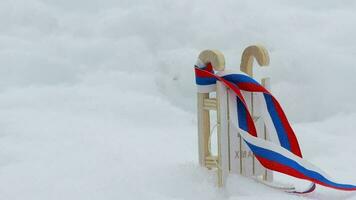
255, 51
214, 57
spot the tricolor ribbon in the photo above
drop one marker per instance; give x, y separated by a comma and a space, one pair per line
282, 153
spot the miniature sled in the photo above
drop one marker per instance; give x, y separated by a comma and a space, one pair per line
233, 155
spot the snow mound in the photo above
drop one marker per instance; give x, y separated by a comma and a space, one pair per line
97, 97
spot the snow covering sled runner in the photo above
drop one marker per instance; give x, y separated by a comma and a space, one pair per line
254, 136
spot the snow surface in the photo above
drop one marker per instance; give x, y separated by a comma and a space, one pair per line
97, 98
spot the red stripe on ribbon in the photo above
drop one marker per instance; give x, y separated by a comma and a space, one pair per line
293, 141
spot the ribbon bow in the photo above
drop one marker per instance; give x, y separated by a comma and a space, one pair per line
281, 154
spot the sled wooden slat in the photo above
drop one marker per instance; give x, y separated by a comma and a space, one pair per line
203, 128
234, 136
268, 176
223, 133
211, 162
210, 104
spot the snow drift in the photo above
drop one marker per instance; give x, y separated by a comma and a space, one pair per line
97, 97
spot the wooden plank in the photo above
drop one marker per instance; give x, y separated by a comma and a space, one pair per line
258, 169
246, 154
210, 104
223, 133
209, 107
268, 173
203, 128
234, 136
211, 162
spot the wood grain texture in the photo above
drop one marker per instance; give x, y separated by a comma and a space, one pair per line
214, 57
223, 133
249, 54
205, 105
203, 128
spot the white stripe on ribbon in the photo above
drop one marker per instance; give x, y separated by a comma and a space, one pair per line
280, 150
266, 117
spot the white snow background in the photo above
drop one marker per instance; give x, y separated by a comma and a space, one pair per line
97, 98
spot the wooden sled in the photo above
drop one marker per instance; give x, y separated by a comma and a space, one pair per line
233, 155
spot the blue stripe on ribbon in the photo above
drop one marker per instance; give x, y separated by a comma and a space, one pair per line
205, 80
241, 113
282, 135
276, 157
239, 78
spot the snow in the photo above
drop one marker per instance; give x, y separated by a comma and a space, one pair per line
97, 98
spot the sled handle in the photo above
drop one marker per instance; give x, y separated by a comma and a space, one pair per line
205, 104
255, 51
214, 57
